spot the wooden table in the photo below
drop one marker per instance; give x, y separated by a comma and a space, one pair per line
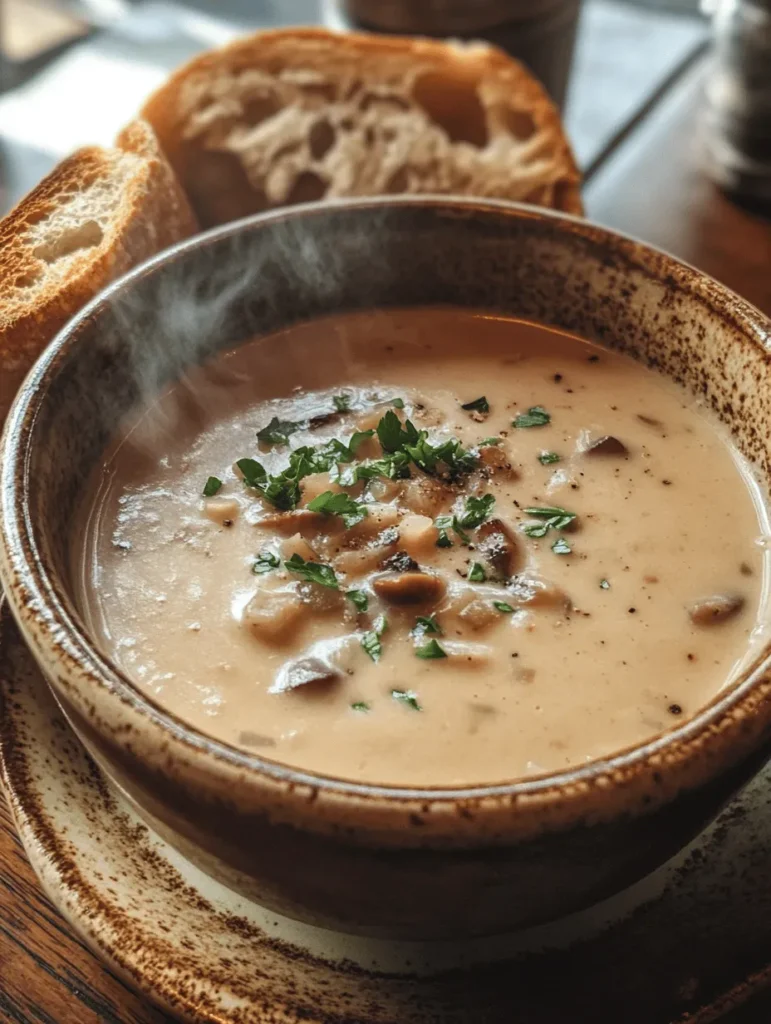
651, 186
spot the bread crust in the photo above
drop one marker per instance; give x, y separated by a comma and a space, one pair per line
98, 213
214, 117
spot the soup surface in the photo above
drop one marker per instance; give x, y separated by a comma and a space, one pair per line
425, 547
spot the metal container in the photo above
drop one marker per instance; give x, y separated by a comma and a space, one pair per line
540, 33
738, 94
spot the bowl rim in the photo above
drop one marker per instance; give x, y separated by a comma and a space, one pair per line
48, 626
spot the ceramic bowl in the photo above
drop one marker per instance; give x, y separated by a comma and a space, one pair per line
400, 862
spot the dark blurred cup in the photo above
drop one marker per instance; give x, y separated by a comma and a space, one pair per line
540, 33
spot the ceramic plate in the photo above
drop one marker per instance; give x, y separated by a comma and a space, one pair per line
683, 945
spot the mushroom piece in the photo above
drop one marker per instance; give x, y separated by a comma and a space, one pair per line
297, 545
495, 460
535, 592
379, 517
465, 654
605, 445
272, 614
418, 535
299, 519
499, 546
368, 557
221, 510
716, 608
426, 496
302, 671
479, 614
404, 588
399, 561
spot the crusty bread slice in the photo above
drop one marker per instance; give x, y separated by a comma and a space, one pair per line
299, 114
97, 214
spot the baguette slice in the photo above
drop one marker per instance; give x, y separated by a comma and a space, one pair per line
97, 214
301, 114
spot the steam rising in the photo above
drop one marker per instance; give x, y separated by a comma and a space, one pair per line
171, 323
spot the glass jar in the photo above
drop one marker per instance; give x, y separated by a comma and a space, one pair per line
738, 95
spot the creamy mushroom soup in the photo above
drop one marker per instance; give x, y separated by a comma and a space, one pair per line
425, 547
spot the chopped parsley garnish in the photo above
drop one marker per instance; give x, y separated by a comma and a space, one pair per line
360, 705
277, 431
394, 467
476, 573
561, 547
478, 405
283, 490
476, 511
552, 518
253, 473
211, 487
426, 624
342, 403
358, 599
266, 561
486, 442
397, 403
503, 607
408, 444
370, 640
431, 649
393, 436
339, 504
357, 439
604, 585
536, 416
450, 453
546, 458
443, 524
407, 697
314, 572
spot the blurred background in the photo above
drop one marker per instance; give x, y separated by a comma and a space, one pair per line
73, 71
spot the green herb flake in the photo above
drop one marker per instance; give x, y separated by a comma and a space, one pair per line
604, 585
546, 458
313, 572
370, 640
536, 416
503, 607
476, 573
358, 599
277, 431
361, 705
397, 403
488, 441
426, 624
431, 649
561, 547
478, 405
552, 518
211, 486
357, 439
443, 524
476, 511
407, 697
339, 504
393, 436
266, 561
253, 473
342, 403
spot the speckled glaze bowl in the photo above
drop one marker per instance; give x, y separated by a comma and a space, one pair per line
402, 862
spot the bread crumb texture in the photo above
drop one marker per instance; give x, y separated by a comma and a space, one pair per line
97, 214
300, 115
